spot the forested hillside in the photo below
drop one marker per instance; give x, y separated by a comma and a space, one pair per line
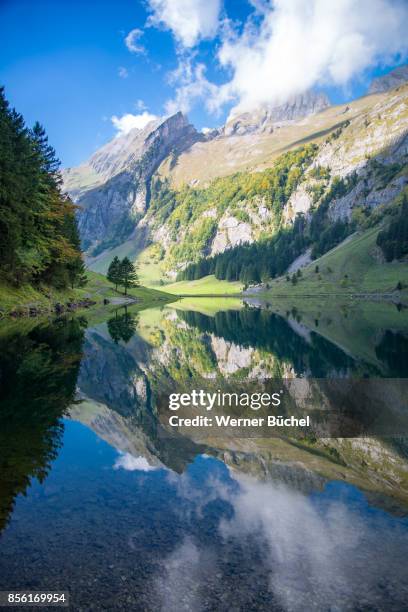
39, 240
253, 202
272, 255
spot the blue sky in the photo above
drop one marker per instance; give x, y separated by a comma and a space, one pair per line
66, 62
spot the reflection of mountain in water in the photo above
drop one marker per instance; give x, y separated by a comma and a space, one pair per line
119, 381
38, 373
268, 525
308, 352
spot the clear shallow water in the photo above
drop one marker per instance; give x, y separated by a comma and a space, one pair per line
126, 519
119, 533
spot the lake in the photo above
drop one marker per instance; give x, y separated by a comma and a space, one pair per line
99, 498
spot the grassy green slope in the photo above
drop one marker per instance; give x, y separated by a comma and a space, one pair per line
355, 266
97, 289
101, 263
150, 273
208, 305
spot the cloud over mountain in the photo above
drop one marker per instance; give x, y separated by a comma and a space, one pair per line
299, 44
285, 47
127, 122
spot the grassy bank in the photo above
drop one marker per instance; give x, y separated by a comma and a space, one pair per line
43, 299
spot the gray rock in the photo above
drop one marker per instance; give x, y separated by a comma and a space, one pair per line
396, 77
124, 167
265, 117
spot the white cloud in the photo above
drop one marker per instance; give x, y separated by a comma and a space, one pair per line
131, 41
128, 462
287, 47
192, 85
127, 122
122, 72
179, 577
189, 20
297, 44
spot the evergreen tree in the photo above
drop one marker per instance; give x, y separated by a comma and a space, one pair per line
38, 235
394, 239
114, 272
49, 163
128, 274
75, 266
77, 272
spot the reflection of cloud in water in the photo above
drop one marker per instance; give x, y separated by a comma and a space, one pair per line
197, 498
320, 553
128, 462
179, 583
319, 556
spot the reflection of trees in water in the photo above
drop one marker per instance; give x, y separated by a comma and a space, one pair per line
38, 374
261, 329
122, 327
393, 352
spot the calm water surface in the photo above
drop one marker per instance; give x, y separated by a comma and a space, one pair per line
94, 500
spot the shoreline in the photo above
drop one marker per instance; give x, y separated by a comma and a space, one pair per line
28, 301
386, 297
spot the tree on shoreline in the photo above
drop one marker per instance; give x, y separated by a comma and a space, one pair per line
123, 273
128, 274
113, 274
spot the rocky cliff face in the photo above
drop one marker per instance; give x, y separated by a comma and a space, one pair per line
395, 78
117, 195
374, 146
265, 118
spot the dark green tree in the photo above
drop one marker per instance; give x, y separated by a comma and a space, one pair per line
128, 274
114, 272
38, 235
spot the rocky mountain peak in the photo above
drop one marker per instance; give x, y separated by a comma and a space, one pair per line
264, 118
393, 79
112, 188
120, 153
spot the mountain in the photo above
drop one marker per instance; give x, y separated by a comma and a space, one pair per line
393, 79
175, 198
265, 118
112, 188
